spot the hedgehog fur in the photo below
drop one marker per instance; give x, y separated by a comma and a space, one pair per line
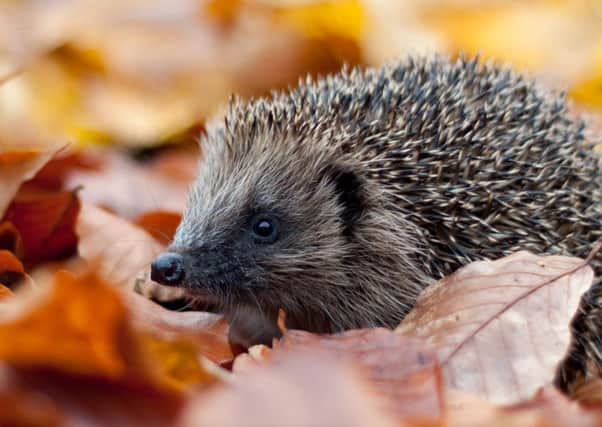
380, 181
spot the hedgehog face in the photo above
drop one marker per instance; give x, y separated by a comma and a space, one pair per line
284, 222
265, 231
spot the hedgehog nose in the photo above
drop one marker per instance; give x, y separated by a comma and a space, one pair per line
168, 269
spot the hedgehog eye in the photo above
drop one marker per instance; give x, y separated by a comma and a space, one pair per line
265, 229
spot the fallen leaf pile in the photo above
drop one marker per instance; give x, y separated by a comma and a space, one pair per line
100, 103
79, 344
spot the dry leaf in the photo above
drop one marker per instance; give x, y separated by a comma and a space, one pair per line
209, 331
131, 188
52, 175
305, 389
46, 222
16, 167
46, 398
179, 362
81, 327
502, 327
110, 72
121, 251
404, 371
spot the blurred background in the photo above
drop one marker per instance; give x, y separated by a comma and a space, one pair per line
140, 74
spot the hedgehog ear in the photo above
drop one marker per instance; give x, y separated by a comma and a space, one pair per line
348, 187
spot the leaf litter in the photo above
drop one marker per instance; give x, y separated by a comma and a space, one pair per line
80, 347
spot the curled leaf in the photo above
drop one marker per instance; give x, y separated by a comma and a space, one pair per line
46, 223
16, 167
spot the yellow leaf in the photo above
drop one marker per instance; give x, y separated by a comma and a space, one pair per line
322, 19
589, 91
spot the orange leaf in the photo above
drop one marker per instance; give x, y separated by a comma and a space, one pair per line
75, 345
81, 327
11, 270
159, 224
9, 262
209, 331
4, 292
178, 362
46, 222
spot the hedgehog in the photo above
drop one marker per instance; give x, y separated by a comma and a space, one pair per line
339, 200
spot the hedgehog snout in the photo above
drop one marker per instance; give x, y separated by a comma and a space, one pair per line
168, 269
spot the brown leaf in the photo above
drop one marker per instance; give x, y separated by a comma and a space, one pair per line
121, 251
159, 224
53, 174
131, 188
502, 327
404, 372
17, 166
46, 222
304, 389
